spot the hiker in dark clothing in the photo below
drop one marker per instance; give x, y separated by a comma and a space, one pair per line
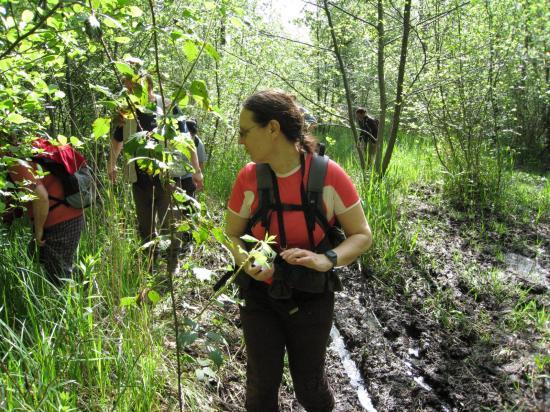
288, 305
150, 196
368, 132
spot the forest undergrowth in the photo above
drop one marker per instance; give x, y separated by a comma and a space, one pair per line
106, 340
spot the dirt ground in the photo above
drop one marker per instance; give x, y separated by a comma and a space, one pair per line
416, 356
441, 331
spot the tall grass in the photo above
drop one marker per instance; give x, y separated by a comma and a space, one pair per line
76, 347
413, 162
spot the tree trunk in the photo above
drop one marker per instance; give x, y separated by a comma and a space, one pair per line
351, 115
381, 85
399, 93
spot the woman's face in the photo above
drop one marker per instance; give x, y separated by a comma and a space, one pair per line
255, 138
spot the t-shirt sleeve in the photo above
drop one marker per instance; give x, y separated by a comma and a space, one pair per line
242, 194
339, 194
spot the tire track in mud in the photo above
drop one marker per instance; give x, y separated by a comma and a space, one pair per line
388, 351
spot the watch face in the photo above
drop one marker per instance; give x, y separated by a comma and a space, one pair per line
331, 254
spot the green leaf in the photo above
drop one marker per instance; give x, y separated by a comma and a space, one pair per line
219, 234
153, 296
122, 40
250, 239
101, 126
101, 89
176, 34
55, 22
203, 373
216, 357
189, 322
111, 22
190, 50
128, 301
187, 338
27, 16
125, 69
209, 5
236, 22
184, 101
201, 235
184, 227
16, 118
212, 52
134, 11
75, 142
198, 88
215, 337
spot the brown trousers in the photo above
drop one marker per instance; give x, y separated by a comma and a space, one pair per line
152, 201
269, 329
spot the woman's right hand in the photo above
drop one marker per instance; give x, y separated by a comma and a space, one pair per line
256, 272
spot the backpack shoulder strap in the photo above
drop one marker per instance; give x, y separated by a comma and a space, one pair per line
315, 184
317, 173
265, 195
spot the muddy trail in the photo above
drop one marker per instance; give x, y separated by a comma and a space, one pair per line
447, 330
438, 334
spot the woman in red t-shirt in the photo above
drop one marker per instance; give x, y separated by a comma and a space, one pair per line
271, 130
56, 227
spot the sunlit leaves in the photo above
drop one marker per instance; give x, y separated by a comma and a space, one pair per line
133, 11
190, 50
27, 16
209, 5
199, 91
125, 69
16, 118
235, 21
128, 301
212, 52
122, 40
153, 296
101, 127
111, 22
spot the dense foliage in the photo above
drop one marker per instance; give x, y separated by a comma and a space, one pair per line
463, 82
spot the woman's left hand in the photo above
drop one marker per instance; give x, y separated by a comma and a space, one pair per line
307, 258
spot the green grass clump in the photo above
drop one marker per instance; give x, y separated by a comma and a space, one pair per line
76, 347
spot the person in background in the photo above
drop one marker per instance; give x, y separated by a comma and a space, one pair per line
310, 121
57, 227
192, 126
151, 197
368, 132
271, 131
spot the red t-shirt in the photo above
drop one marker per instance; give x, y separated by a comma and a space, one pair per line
339, 195
23, 175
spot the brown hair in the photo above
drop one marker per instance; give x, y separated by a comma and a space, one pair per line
277, 105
